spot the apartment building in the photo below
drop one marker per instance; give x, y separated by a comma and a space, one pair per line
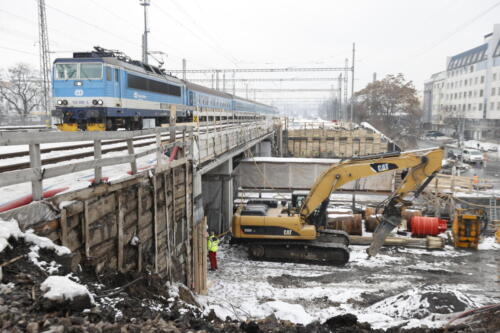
466, 95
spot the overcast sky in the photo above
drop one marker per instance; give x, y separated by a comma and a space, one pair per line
391, 36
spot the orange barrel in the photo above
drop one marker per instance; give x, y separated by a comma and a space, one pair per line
350, 223
371, 222
427, 226
407, 214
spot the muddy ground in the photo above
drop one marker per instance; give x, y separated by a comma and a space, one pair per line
401, 287
145, 303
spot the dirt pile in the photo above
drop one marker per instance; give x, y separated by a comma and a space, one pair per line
122, 302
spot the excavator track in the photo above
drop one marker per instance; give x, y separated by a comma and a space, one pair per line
333, 236
309, 252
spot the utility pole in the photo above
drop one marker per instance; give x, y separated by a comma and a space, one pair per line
145, 4
345, 114
352, 81
234, 83
339, 110
184, 69
217, 80
43, 41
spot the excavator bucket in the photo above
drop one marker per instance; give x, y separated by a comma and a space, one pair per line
379, 236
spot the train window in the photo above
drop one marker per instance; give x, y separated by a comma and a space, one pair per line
66, 71
108, 73
117, 75
90, 71
137, 82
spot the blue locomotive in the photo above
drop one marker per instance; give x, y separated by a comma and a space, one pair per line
106, 90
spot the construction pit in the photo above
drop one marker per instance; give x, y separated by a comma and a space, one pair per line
410, 286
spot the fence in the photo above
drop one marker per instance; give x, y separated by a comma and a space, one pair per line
202, 142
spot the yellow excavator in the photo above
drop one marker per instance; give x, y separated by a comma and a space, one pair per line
278, 232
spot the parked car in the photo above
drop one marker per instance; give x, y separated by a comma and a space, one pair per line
433, 134
472, 156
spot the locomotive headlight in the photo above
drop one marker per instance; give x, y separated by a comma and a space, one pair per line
59, 102
100, 102
64, 102
94, 101
78, 83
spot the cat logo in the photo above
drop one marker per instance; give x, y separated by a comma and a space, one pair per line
381, 167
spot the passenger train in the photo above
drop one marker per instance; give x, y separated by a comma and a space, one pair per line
106, 90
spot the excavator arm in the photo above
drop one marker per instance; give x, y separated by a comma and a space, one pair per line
421, 165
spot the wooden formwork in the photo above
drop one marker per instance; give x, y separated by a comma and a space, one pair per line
145, 222
331, 142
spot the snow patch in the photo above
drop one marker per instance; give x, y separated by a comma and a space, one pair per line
60, 288
292, 312
11, 229
8, 229
64, 204
420, 302
489, 243
6, 288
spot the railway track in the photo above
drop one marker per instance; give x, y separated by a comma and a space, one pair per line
90, 153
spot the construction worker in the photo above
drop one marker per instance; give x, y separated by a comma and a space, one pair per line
213, 246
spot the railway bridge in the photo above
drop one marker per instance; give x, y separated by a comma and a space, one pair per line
131, 200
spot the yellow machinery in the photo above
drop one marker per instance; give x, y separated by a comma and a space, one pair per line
467, 227
275, 232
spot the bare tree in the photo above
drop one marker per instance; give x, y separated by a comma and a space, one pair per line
21, 88
390, 104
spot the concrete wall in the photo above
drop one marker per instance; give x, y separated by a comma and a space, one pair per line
299, 173
218, 193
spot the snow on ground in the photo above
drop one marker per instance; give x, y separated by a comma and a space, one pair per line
60, 288
484, 146
488, 243
11, 229
371, 288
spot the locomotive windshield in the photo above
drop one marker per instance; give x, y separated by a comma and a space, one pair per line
90, 71
76, 71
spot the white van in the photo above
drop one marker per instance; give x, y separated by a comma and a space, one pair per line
472, 156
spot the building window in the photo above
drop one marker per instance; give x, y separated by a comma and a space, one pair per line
471, 69
481, 93
480, 106
492, 106
493, 91
494, 76
475, 80
469, 107
482, 78
498, 105
470, 93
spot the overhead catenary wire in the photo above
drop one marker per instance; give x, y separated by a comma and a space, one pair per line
111, 33
459, 28
203, 30
165, 13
